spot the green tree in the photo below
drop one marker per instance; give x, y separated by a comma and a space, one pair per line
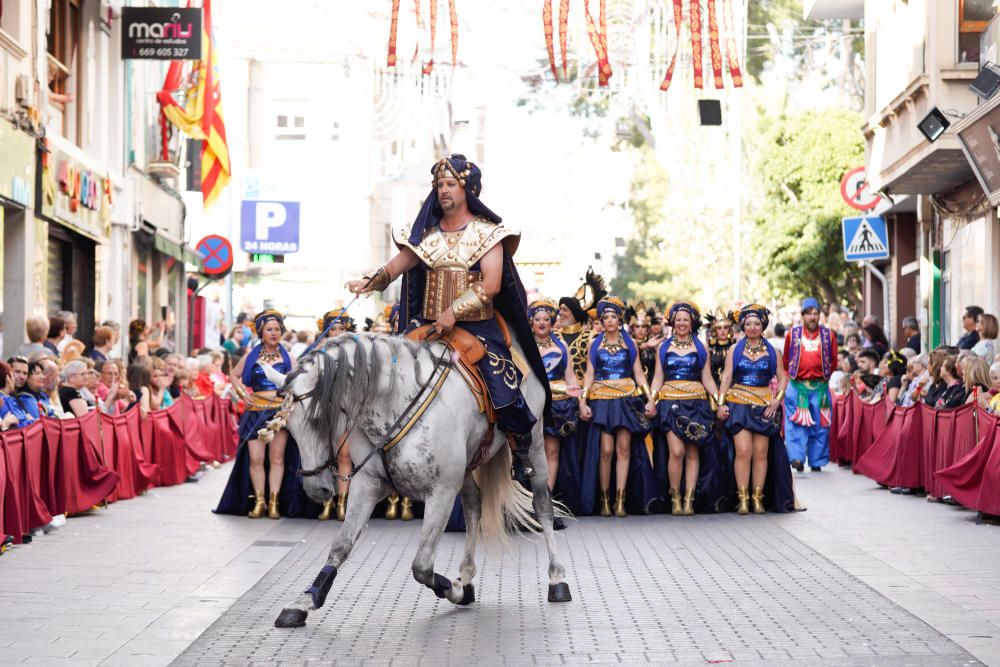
797, 239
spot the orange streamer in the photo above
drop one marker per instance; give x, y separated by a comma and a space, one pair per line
696, 54
678, 10
599, 41
563, 30
734, 65
434, 17
547, 26
393, 24
713, 41
453, 16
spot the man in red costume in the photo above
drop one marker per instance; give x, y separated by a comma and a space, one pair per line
810, 357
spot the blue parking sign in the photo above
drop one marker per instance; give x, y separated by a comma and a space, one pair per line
865, 238
269, 227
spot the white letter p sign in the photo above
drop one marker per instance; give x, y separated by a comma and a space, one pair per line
269, 215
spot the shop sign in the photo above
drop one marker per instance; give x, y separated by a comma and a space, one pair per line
980, 140
269, 227
17, 165
161, 33
73, 194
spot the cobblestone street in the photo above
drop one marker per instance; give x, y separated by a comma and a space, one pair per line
862, 578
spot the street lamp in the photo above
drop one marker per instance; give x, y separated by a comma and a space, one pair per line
933, 125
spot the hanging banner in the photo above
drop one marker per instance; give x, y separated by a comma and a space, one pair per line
563, 31
734, 65
678, 17
696, 55
394, 23
713, 43
453, 17
547, 27
599, 41
434, 18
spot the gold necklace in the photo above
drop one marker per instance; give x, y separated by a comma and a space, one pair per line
755, 351
266, 357
543, 343
683, 343
613, 348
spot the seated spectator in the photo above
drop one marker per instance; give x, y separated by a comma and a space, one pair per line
995, 387
918, 380
57, 331
114, 352
184, 379
159, 394
103, 341
69, 320
986, 330
895, 366
93, 378
976, 378
232, 342
874, 338
33, 398
867, 382
139, 380
138, 347
218, 375
174, 364
971, 336
203, 381
298, 347
73, 379
53, 373
954, 393
852, 343
845, 368
36, 328
72, 350
10, 412
911, 330
19, 371
112, 391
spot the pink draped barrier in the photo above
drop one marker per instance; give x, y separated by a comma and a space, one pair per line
948, 435
857, 425
836, 424
974, 479
67, 466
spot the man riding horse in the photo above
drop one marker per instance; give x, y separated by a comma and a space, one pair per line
457, 269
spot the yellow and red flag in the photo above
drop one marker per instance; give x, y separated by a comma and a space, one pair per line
201, 116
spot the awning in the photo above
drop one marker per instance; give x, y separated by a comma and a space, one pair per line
177, 250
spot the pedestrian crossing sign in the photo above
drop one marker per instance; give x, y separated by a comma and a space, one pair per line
865, 238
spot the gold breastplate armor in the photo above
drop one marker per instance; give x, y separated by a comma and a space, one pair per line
450, 256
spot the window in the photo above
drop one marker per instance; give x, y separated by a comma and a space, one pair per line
973, 16
290, 127
63, 63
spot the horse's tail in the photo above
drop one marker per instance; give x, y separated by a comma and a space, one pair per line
506, 505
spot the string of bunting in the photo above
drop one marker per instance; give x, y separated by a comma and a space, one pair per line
599, 40
547, 27
563, 31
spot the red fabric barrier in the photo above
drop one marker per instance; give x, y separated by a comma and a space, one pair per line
895, 458
22, 451
836, 424
947, 433
228, 429
844, 433
199, 435
10, 514
867, 421
123, 453
163, 443
82, 478
973, 480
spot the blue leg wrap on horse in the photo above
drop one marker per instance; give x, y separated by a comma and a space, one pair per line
322, 585
441, 585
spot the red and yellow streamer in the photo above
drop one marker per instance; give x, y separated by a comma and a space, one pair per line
547, 26
563, 31
713, 42
453, 17
393, 25
734, 65
599, 40
434, 17
694, 10
678, 17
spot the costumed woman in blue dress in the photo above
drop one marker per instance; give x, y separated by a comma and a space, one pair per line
614, 384
260, 467
562, 461
683, 387
344, 466
751, 411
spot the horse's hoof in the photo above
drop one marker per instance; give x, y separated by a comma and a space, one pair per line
296, 618
468, 594
559, 592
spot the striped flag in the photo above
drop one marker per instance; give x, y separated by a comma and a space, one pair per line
200, 117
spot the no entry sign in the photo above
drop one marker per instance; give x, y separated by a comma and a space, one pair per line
856, 192
218, 253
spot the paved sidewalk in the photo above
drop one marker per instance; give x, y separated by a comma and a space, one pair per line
862, 578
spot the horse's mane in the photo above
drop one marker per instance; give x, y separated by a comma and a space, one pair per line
346, 384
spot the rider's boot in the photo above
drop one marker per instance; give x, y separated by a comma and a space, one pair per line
521, 468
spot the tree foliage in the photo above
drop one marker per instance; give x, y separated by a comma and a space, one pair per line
797, 239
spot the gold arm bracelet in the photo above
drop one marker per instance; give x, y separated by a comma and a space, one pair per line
379, 280
470, 301
644, 390
585, 393
720, 398
781, 395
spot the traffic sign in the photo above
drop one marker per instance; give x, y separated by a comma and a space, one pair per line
856, 192
865, 238
270, 227
218, 253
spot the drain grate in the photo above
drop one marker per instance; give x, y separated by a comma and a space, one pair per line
274, 543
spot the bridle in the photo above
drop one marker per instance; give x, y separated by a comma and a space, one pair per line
400, 428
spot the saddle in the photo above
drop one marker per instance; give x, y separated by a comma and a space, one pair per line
469, 351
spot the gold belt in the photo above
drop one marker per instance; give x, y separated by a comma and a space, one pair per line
606, 390
444, 286
259, 401
558, 390
681, 390
745, 395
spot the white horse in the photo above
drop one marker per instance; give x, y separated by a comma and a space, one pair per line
366, 386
